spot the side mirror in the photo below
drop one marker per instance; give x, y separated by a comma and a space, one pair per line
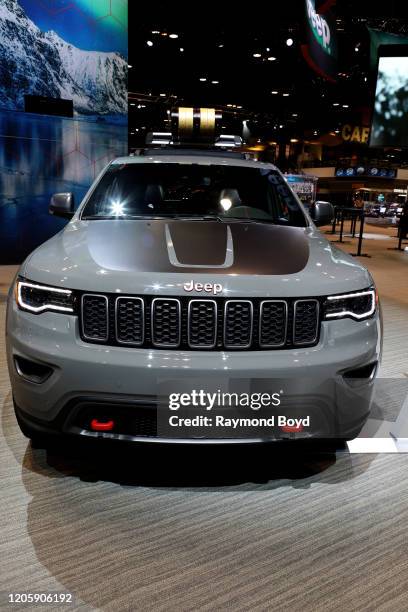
322, 213
62, 205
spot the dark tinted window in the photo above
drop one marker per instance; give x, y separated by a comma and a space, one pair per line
193, 190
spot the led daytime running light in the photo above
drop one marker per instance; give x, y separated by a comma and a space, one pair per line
350, 313
43, 307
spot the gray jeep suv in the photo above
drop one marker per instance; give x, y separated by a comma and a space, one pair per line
192, 266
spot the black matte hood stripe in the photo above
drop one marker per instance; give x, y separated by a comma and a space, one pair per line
201, 246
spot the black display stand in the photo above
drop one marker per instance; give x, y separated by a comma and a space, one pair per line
355, 215
360, 213
335, 220
400, 241
341, 212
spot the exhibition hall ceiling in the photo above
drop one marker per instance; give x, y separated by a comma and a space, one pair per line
248, 60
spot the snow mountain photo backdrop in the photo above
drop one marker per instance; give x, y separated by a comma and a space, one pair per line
70, 49
43, 63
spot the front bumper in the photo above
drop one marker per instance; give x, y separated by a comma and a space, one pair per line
115, 375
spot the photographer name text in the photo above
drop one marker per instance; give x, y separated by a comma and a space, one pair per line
234, 423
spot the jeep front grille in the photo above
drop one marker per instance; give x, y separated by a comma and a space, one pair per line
95, 323
273, 323
166, 323
129, 320
199, 324
305, 322
202, 324
238, 322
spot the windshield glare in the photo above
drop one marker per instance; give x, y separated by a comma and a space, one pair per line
168, 190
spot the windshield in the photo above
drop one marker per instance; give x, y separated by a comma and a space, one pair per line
174, 190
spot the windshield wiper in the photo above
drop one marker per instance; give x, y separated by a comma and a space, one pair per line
267, 221
182, 217
121, 217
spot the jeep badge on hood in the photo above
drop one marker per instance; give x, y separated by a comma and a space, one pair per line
214, 288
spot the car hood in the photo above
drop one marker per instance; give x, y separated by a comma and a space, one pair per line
159, 256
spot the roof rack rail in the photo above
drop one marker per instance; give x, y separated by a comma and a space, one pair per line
165, 139
193, 151
228, 140
159, 138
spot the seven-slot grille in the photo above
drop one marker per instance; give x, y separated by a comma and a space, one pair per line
200, 324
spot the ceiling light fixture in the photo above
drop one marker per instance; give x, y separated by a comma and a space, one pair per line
271, 58
173, 35
256, 55
274, 93
289, 42
149, 43
203, 79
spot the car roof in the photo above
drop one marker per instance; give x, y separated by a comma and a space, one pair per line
193, 157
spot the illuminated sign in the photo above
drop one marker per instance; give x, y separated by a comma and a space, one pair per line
320, 51
319, 26
355, 133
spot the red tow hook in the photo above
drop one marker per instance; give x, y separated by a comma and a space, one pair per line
105, 425
291, 428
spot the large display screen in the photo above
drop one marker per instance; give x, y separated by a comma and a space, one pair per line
390, 117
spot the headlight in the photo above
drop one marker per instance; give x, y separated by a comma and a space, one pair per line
39, 298
358, 305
